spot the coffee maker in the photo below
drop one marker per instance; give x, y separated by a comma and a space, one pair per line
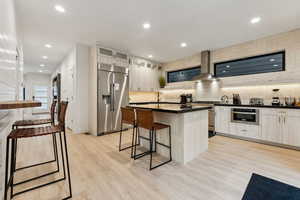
186, 99
275, 98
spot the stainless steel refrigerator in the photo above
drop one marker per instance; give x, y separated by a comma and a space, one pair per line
113, 93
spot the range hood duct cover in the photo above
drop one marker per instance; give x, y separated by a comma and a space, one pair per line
206, 74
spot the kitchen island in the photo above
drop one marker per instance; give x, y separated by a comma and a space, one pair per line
189, 129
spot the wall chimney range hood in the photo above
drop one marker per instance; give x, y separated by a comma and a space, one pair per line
206, 74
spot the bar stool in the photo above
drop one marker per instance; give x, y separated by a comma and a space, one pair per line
128, 117
37, 122
36, 132
145, 120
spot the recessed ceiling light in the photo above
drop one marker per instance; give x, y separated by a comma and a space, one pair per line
272, 60
146, 25
255, 20
150, 56
183, 44
42, 65
59, 8
40, 71
45, 57
48, 45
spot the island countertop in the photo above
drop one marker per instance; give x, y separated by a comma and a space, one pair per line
171, 108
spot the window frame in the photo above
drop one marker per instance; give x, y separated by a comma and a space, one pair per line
184, 69
252, 57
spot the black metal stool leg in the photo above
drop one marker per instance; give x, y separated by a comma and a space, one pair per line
62, 156
133, 140
55, 151
120, 140
170, 142
12, 167
166, 146
6, 170
68, 166
151, 148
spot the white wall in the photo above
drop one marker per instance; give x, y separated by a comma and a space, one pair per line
74, 71
10, 75
289, 41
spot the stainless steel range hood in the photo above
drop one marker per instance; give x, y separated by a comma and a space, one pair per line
206, 74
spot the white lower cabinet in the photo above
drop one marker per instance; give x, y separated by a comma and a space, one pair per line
245, 130
222, 119
281, 126
291, 129
271, 127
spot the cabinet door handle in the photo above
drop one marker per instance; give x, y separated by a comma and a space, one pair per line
279, 119
284, 119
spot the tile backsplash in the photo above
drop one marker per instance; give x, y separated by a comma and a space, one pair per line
263, 91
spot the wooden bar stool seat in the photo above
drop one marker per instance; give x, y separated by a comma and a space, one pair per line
32, 122
128, 117
35, 132
159, 126
145, 120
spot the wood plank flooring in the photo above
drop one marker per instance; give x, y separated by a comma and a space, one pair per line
100, 171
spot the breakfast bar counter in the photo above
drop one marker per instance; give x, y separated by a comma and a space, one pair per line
189, 129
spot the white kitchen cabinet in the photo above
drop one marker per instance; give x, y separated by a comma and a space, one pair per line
271, 127
143, 76
222, 119
291, 128
245, 130
281, 126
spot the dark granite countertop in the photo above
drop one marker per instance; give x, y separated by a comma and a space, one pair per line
259, 106
169, 102
170, 108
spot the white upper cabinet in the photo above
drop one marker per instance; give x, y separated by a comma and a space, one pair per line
143, 75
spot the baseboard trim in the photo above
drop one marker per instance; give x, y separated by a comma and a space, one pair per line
259, 141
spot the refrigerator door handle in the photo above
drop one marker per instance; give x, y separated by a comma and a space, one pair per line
112, 95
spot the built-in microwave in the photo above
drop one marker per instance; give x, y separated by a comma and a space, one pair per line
245, 115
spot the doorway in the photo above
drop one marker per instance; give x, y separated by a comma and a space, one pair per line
41, 94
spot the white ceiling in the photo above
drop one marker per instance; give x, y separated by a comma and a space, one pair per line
202, 24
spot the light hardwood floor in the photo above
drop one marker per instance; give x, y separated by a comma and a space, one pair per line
99, 171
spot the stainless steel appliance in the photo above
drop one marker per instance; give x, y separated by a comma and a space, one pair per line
224, 99
211, 119
256, 101
275, 98
186, 99
236, 99
113, 92
245, 115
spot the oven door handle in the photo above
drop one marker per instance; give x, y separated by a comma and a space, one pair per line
246, 113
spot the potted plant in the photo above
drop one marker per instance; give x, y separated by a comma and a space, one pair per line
162, 81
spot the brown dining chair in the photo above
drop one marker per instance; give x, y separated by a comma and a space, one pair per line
145, 120
37, 132
38, 122
128, 117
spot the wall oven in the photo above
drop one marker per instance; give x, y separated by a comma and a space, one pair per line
245, 115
